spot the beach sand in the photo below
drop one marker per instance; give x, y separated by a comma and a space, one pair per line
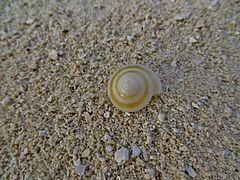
56, 120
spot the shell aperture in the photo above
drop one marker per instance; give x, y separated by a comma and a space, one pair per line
132, 87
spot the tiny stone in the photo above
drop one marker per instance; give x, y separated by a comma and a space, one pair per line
29, 21
200, 24
86, 153
1, 171
107, 137
215, 103
183, 148
53, 54
176, 130
77, 162
191, 172
25, 151
80, 169
43, 133
75, 150
198, 61
49, 99
97, 178
109, 149
121, 155
105, 169
127, 113
106, 115
174, 63
5, 101
214, 2
151, 172
180, 17
192, 40
130, 37
136, 151
195, 105
86, 116
147, 176
161, 117
145, 154
149, 139
228, 110
3, 34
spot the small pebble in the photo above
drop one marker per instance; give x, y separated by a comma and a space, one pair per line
75, 150
130, 37
192, 40
77, 162
183, 148
87, 116
53, 54
191, 172
151, 172
106, 115
5, 101
149, 139
174, 63
29, 21
214, 2
200, 24
176, 130
194, 105
3, 34
107, 137
145, 154
127, 113
33, 65
25, 151
109, 148
198, 61
121, 155
86, 153
136, 151
161, 117
43, 133
228, 110
180, 17
80, 169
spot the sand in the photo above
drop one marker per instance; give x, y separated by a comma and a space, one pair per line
56, 120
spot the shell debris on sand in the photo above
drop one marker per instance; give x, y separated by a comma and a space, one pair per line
136, 151
180, 17
80, 169
191, 172
53, 54
121, 155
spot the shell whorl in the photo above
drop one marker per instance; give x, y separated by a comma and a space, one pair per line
132, 87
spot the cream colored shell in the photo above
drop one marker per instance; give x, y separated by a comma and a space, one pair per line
131, 87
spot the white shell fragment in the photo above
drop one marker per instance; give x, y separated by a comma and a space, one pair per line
121, 155
191, 172
80, 169
131, 87
136, 151
180, 17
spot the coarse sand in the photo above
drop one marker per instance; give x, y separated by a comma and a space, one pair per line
56, 120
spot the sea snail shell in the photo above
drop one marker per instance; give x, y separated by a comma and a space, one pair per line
131, 87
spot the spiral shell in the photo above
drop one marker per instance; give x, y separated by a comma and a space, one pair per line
131, 87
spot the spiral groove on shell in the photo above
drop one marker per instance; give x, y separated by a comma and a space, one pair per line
132, 87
